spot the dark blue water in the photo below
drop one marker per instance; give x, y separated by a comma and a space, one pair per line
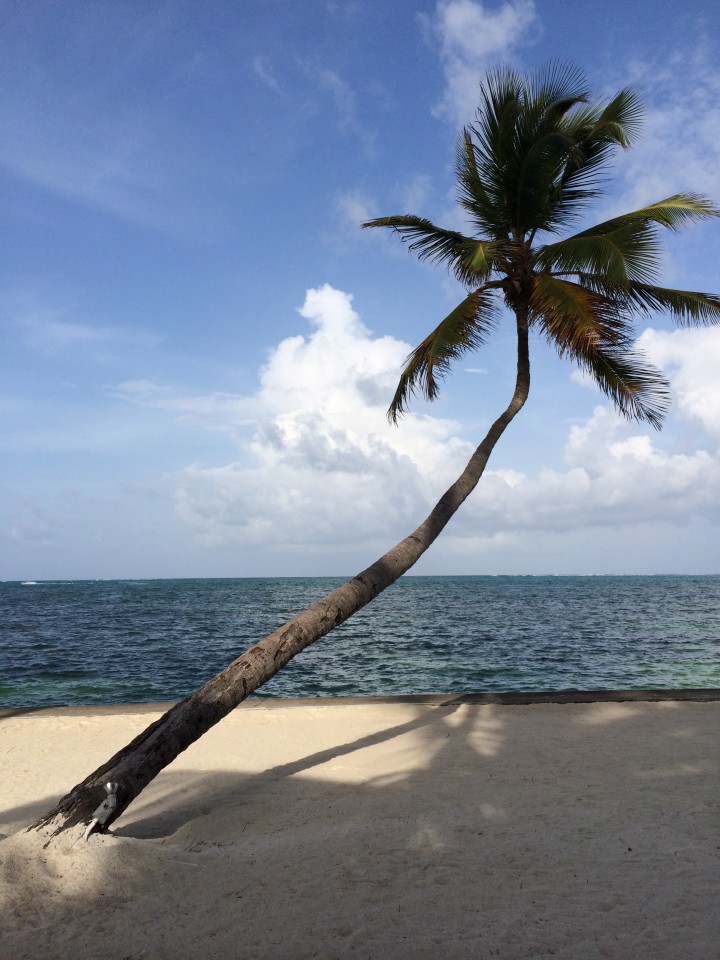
85, 642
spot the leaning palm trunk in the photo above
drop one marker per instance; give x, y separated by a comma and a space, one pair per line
525, 170
137, 764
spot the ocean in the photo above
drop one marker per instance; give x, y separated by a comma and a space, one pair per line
134, 641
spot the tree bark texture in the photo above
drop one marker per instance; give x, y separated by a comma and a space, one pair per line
143, 758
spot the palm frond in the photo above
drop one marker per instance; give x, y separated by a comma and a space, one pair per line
477, 193
535, 155
543, 140
576, 318
620, 120
471, 260
465, 328
625, 248
629, 252
638, 390
673, 213
685, 306
558, 87
542, 164
590, 329
596, 131
519, 146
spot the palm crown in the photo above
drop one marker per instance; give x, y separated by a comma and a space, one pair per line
528, 167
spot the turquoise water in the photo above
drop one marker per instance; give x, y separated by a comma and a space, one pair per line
88, 642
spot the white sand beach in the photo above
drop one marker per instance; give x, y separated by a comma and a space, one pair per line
301, 829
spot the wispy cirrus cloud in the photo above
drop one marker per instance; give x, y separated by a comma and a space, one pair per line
679, 149
218, 411
343, 97
354, 207
263, 70
100, 144
57, 330
62, 140
345, 103
473, 38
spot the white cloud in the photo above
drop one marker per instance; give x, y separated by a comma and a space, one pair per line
223, 412
47, 329
679, 150
323, 470
343, 98
474, 39
618, 476
692, 358
415, 193
264, 72
345, 102
70, 149
353, 208
324, 466
102, 142
583, 379
50, 330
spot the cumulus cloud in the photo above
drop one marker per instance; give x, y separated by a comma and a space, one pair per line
692, 358
321, 469
323, 464
612, 481
473, 39
619, 474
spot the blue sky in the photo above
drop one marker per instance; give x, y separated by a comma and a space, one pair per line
199, 343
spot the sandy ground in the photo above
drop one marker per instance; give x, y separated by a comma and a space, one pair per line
375, 830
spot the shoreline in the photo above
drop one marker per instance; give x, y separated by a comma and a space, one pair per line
358, 827
506, 698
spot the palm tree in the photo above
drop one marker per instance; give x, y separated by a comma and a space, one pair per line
526, 169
